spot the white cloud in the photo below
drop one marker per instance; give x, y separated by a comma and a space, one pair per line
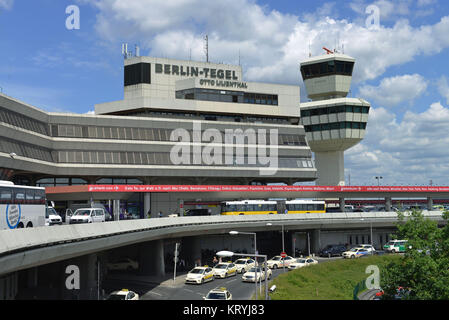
424, 3
413, 151
395, 91
443, 88
6, 4
271, 43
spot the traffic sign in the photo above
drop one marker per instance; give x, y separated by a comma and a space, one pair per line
283, 254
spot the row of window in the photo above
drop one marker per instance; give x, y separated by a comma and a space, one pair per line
227, 96
25, 150
210, 117
259, 98
147, 134
249, 207
165, 158
21, 121
335, 126
154, 134
327, 68
40, 153
21, 196
305, 207
334, 109
52, 182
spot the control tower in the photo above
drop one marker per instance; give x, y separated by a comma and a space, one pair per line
332, 121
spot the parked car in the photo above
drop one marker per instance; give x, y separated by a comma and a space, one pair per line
395, 246
123, 294
332, 250
278, 262
302, 262
224, 270
88, 215
355, 253
123, 264
368, 247
256, 274
199, 275
52, 217
218, 294
244, 264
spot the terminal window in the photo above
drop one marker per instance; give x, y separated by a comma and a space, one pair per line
327, 68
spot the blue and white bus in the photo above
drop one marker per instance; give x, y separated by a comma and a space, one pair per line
21, 206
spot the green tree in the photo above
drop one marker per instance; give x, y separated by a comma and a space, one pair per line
423, 269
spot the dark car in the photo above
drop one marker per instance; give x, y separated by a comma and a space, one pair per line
333, 250
197, 212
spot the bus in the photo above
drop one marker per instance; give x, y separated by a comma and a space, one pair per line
247, 207
21, 206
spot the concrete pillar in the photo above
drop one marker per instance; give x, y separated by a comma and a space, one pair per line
151, 260
9, 286
32, 277
147, 204
116, 210
387, 204
83, 271
429, 204
342, 204
331, 168
315, 241
191, 250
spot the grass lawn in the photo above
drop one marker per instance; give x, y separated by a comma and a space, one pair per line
332, 280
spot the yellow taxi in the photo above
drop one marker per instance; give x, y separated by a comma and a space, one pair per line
244, 264
224, 270
123, 294
199, 275
256, 274
218, 294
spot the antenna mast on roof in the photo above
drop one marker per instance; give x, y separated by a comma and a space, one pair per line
206, 47
125, 52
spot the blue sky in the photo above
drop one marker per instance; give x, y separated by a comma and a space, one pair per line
401, 67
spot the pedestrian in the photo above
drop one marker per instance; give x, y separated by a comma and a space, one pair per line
160, 214
215, 261
149, 214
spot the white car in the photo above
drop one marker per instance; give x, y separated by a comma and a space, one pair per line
368, 247
244, 264
123, 264
278, 262
218, 294
88, 215
123, 294
52, 217
224, 270
256, 274
355, 253
302, 262
199, 275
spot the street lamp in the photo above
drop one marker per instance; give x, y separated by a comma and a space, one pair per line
255, 247
230, 254
283, 247
378, 180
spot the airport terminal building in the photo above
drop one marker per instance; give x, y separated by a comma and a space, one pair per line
185, 122
180, 122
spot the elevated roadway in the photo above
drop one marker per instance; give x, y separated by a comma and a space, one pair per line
25, 248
